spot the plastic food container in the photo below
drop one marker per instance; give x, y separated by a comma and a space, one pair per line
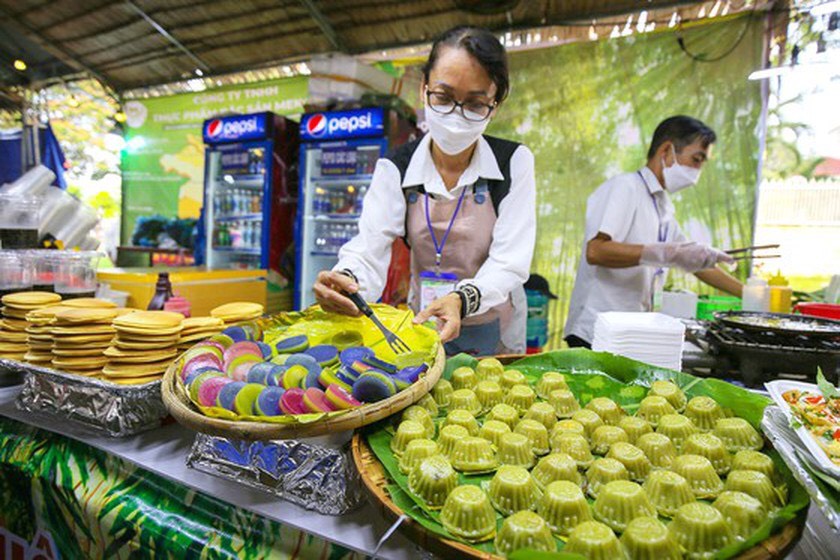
707, 306
76, 274
814, 309
19, 222
15, 272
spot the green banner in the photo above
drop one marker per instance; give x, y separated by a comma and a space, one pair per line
60, 498
588, 111
163, 161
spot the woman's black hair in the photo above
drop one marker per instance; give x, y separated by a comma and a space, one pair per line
483, 46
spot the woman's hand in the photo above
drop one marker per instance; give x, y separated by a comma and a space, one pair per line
328, 290
447, 311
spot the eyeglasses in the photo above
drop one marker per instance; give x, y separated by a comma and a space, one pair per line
443, 103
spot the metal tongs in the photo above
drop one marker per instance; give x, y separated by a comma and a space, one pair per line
395, 342
747, 252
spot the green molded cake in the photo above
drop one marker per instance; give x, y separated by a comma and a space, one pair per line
543, 413
700, 474
654, 407
428, 402
607, 409
461, 417
711, 447
465, 399
589, 419
635, 427
513, 377
595, 541
677, 427
564, 402
743, 513
489, 394
658, 448
554, 467
668, 491
647, 538
423, 416
603, 471
575, 446
633, 458
516, 450
449, 436
563, 506
504, 413
536, 433
737, 434
474, 455
669, 390
407, 431
513, 489
520, 397
619, 502
567, 425
604, 436
704, 412
493, 430
489, 369
750, 460
755, 484
464, 378
550, 381
416, 451
524, 529
700, 530
442, 393
467, 513
432, 480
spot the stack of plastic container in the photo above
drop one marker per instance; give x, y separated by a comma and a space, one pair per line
652, 338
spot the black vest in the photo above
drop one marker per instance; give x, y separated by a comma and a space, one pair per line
502, 150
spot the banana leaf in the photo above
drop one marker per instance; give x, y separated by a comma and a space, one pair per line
589, 375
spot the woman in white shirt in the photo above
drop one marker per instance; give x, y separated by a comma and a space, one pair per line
464, 203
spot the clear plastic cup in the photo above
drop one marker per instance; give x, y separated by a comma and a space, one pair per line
44, 269
15, 272
19, 222
76, 274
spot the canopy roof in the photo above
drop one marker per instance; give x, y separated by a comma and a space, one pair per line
134, 43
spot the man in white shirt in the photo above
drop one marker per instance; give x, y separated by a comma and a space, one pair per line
632, 236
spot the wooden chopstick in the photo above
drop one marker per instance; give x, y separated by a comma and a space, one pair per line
744, 257
752, 248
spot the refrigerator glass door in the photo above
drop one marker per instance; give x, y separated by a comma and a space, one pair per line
336, 177
238, 184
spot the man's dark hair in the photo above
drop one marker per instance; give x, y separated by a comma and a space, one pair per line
681, 131
483, 46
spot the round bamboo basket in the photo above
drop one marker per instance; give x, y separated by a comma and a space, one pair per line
375, 482
186, 413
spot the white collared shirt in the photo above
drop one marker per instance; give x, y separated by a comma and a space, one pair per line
383, 219
623, 208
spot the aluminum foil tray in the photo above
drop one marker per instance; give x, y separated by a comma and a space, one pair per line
796, 455
98, 406
317, 473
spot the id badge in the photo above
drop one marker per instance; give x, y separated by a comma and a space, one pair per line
658, 288
434, 285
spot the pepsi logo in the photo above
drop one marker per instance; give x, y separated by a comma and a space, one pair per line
316, 125
214, 128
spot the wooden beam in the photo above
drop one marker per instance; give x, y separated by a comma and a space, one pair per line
326, 27
51, 48
160, 29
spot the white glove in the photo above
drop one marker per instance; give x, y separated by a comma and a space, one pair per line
690, 257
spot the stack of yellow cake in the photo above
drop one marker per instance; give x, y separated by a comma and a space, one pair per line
13, 335
146, 342
197, 329
80, 337
39, 337
238, 312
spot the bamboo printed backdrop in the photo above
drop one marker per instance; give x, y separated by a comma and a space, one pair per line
588, 111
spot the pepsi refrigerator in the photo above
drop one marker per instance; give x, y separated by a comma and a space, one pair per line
250, 198
338, 154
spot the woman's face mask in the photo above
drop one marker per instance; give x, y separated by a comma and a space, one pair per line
678, 176
452, 133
